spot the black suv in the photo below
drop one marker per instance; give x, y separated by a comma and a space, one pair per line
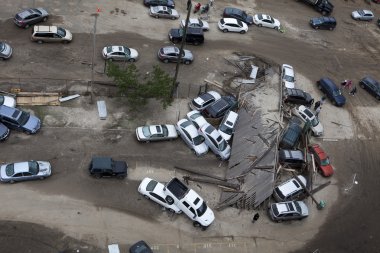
371, 85
220, 107
298, 97
292, 134
230, 12
193, 35
326, 23
107, 167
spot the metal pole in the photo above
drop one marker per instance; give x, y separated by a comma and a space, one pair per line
93, 57
189, 7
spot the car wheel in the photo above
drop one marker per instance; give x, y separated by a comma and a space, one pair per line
170, 200
324, 13
146, 196
98, 176
331, 28
196, 43
147, 141
203, 228
42, 178
196, 224
171, 210
165, 60
156, 16
132, 60
65, 41
187, 62
276, 27
377, 97
334, 102
259, 25
311, 102
110, 59
45, 19
317, 27
225, 30
242, 32
174, 18
120, 177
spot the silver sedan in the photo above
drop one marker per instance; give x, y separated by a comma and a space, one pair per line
365, 15
163, 12
22, 171
156, 133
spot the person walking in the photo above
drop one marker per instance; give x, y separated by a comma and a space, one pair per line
255, 217
316, 105
317, 111
353, 91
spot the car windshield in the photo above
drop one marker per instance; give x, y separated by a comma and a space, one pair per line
24, 117
279, 193
318, 21
337, 93
223, 145
9, 170
202, 209
198, 140
314, 122
127, 51
272, 20
297, 207
61, 32
225, 129
146, 131
2, 46
325, 162
289, 78
239, 23
33, 167
361, 12
260, 16
151, 185
275, 210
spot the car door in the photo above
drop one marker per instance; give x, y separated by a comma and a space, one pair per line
56, 37
173, 57
164, 13
17, 177
32, 19
27, 176
367, 16
233, 27
267, 23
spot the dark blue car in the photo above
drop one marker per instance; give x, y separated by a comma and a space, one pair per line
327, 86
371, 85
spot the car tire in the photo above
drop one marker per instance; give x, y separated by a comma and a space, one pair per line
42, 178
40, 41
132, 60
156, 16
203, 228
65, 42
170, 200
196, 224
171, 210
331, 28
110, 59
361, 85
165, 60
196, 43
334, 102
324, 13
225, 30
311, 102
242, 32
319, 87
186, 62
317, 27
174, 18
120, 176
45, 19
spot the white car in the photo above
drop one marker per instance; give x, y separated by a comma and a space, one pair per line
191, 137
215, 141
232, 25
365, 15
153, 190
120, 53
287, 76
156, 133
227, 126
196, 23
7, 101
266, 21
163, 12
22, 171
203, 100
289, 189
307, 115
196, 118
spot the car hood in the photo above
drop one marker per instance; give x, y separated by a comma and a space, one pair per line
45, 168
175, 13
134, 53
289, 85
139, 134
9, 101
327, 170
206, 25
207, 218
43, 11
120, 166
33, 124
188, 55
304, 209
201, 149
225, 136
69, 35
318, 129
276, 22
225, 155
7, 52
356, 14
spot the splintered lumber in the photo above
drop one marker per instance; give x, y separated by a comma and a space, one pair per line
37, 98
200, 173
211, 181
320, 187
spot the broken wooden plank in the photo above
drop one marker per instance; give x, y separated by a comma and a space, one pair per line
200, 173
212, 181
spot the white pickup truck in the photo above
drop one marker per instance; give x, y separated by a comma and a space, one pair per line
190, 203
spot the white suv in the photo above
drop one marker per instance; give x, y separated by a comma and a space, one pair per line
215, 141
289, 189
226, 127
287, 76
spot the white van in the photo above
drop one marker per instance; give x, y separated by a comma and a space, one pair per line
289, 189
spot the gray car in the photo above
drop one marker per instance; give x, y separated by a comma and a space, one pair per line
4, 132
170, 54
291, 210
5, 51
28, 17
365, 15
22, 171
19, 120
163, 12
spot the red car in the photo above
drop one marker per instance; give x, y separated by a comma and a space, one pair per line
322, 160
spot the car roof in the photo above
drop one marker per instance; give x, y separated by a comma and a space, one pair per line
45, 28
155, 129
211, 131
233, 10
102, 162
289, 71
292, 185
264, 16
194, 21
26, 13
160, 8
230, 20
10, 112
189, 127
328, 82
321, 153
117, 48
285, 207
20, 167
170, 49
367, 12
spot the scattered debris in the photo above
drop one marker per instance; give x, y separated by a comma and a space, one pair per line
64, 99
102, 109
